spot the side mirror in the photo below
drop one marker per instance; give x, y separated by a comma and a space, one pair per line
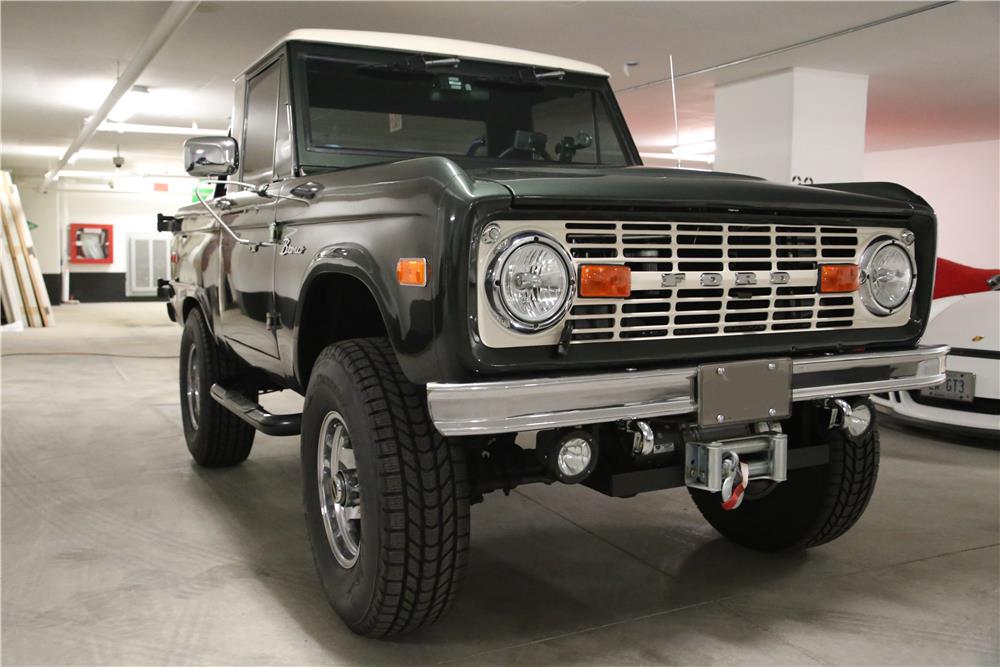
211, 156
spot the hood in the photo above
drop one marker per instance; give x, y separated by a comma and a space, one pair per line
964, 319
682, 189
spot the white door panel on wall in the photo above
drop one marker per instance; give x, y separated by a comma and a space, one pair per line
148, 260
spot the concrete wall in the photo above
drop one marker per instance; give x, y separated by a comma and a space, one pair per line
130, 207
962, 183
795, 125
753, 122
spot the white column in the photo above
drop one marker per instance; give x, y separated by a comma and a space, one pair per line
793, 126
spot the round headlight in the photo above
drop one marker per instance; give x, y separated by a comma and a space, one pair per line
887, 277
530, 283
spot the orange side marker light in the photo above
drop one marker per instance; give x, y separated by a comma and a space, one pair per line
838, 278
605, 280
412, 271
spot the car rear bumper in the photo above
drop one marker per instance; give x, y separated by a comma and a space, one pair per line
508, 406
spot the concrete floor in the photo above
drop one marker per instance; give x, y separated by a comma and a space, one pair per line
117, 550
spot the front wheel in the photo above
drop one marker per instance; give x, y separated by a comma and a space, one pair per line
815, 505
386, 496
215, 437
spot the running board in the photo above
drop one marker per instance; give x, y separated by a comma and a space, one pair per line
255, 415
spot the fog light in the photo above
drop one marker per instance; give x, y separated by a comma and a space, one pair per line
571, 457
860, 419
574, 457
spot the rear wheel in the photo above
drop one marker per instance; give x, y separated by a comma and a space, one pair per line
386, 496
815, 505
215, 437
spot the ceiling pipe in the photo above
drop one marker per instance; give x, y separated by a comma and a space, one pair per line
172, 19
790, 47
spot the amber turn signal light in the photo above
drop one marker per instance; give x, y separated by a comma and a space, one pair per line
838, 278
605, 280
412, 271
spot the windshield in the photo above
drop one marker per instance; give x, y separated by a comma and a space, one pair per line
456, 112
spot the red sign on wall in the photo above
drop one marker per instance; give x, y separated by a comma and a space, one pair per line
91, 244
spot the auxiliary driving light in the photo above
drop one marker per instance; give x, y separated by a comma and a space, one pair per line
572, 456
860, 420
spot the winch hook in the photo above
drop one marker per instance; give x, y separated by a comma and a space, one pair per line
736, 475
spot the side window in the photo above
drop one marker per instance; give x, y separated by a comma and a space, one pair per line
283, 139
258, 141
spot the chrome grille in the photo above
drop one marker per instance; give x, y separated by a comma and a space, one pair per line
673, 297
692, 279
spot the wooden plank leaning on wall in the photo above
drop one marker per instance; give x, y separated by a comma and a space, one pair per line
33, 292
10, 291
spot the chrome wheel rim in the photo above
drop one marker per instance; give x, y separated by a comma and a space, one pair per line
193, 389
339, 493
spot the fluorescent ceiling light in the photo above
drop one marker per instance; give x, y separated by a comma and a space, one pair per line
685, 138
86, 174
699, 148
54, 151
709, 159
131, 102
158, 129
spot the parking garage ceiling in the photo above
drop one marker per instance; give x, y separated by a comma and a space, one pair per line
930, 83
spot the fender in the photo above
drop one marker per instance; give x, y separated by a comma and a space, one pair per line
407, 317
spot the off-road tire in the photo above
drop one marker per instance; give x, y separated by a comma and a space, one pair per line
219, 438
815, 505
414, 493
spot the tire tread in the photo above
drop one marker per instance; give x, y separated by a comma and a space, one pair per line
225, 439
424, 493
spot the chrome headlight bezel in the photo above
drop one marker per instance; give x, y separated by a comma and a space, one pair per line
494, 291
865, 288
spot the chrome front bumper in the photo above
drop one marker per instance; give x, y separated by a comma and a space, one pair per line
510, 406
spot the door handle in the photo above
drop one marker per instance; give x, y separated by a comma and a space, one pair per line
307, 190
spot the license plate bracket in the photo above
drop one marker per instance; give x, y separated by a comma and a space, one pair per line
744, 391
958, 386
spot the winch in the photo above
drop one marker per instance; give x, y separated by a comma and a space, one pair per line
708, 465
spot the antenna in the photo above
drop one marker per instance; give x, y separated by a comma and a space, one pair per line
673, 93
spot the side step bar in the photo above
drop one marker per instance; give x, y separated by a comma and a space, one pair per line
255, 415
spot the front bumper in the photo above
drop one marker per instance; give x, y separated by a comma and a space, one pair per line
510, 406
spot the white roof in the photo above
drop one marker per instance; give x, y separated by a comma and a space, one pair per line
439, 46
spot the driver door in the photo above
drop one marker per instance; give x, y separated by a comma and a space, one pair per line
247, 300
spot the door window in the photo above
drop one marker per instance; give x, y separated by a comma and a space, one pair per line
258, 142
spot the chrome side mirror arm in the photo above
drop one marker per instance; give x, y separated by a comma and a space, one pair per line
224, 204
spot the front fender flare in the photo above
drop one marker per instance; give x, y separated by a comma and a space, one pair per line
409, 333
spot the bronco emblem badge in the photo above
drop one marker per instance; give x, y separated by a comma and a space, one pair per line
288, 249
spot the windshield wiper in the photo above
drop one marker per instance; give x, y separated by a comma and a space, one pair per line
412, 65
551, 74
443, 62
